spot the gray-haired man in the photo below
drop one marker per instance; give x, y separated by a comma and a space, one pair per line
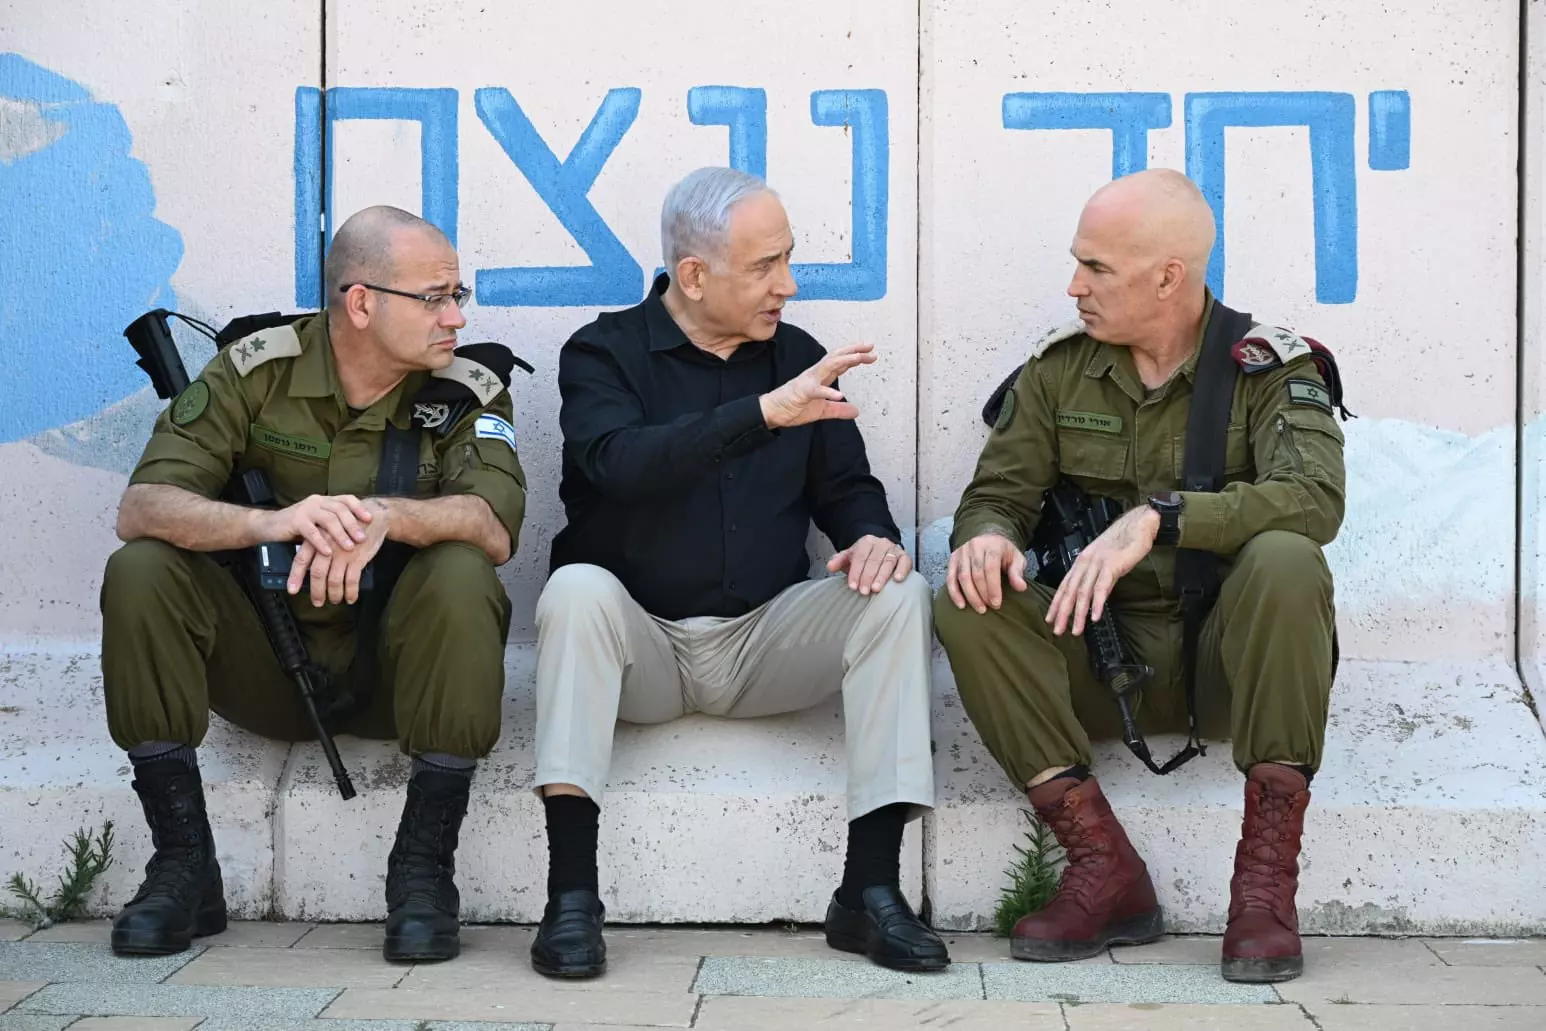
702, 436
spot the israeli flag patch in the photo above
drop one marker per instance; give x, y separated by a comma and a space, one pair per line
494, 427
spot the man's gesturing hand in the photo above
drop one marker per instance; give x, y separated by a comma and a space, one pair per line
976, 570
1111, 556
810, 395
870, 561
336, 577
323, 521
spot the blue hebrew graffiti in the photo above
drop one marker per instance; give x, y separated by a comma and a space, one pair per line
745, 111
83, 253
433, 109
863, 112
1129, 117
613, 277
1329, 117
1390, 130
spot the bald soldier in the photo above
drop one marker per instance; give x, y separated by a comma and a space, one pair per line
1104, 405
312, 404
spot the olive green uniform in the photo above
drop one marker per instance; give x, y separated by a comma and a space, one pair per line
179, 637
1265, 663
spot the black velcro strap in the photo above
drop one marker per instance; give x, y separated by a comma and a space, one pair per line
245, 325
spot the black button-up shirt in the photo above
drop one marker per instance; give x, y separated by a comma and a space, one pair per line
673, 482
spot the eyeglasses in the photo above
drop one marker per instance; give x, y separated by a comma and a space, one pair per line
434, 302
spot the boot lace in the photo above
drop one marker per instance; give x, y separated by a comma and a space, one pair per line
1265, 871
421, 866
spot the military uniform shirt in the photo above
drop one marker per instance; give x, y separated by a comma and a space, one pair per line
287, 416
1080, 410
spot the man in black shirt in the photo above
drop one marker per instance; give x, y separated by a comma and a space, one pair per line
702, 436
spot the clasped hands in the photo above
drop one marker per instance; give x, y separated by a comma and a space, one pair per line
339, 535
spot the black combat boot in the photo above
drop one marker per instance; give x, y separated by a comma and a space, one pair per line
422, 900
183, 896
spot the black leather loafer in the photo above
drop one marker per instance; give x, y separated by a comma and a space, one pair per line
887, 931
569, 942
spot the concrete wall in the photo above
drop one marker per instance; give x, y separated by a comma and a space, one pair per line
1361, 158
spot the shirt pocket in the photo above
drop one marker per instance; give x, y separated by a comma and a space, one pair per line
292, 477
1092, 456
1309, 443
1237, 451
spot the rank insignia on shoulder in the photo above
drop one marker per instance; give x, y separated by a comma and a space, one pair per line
484, 369
1056, 334
263, 346
1268, 347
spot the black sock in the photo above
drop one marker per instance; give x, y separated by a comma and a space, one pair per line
572, 822
874, 853
1306, 772
1079, 774
440, 762
151, 751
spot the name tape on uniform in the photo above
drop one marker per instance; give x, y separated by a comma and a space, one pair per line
495, 428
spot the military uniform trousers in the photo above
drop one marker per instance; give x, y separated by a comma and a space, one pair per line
1265, 666
601, 657
179, 638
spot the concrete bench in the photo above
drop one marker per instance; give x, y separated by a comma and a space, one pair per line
1429, 816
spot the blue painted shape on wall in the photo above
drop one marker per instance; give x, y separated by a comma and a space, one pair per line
81, 252
1128, 116
864, 113
433, 109
308, 197
1329, 117
1390, 130
613, 277
745, 111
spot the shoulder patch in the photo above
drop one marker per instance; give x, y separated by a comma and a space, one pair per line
191, 403
1056, 335
477, 377
495, 428
264, 346
1310, 393
1006, 411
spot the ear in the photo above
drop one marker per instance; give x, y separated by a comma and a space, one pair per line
1172, 275
356, 306
690, 274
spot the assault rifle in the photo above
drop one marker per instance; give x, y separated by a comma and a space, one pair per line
259, 569
1070, 521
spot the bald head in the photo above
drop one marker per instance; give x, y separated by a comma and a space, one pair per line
364, 248
1155, 215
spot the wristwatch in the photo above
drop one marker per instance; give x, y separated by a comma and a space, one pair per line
1168, 504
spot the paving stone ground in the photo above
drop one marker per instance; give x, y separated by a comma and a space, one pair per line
304, 977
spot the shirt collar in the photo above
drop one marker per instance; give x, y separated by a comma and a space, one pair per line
314, 374
665, 334
1108, 357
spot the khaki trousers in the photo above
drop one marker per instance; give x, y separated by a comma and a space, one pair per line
601, 658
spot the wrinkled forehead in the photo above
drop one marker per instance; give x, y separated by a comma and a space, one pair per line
759, 227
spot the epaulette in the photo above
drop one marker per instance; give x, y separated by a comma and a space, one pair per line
476, 376
1055, 335
262, 346
1268, 347
995, 403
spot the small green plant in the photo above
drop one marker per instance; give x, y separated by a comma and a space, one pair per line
1033, 878
88, 858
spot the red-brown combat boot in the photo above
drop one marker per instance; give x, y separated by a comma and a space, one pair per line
1262, 940
1105, 896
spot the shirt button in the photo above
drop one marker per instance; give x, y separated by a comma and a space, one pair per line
732, 528
731, 585
729, 476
